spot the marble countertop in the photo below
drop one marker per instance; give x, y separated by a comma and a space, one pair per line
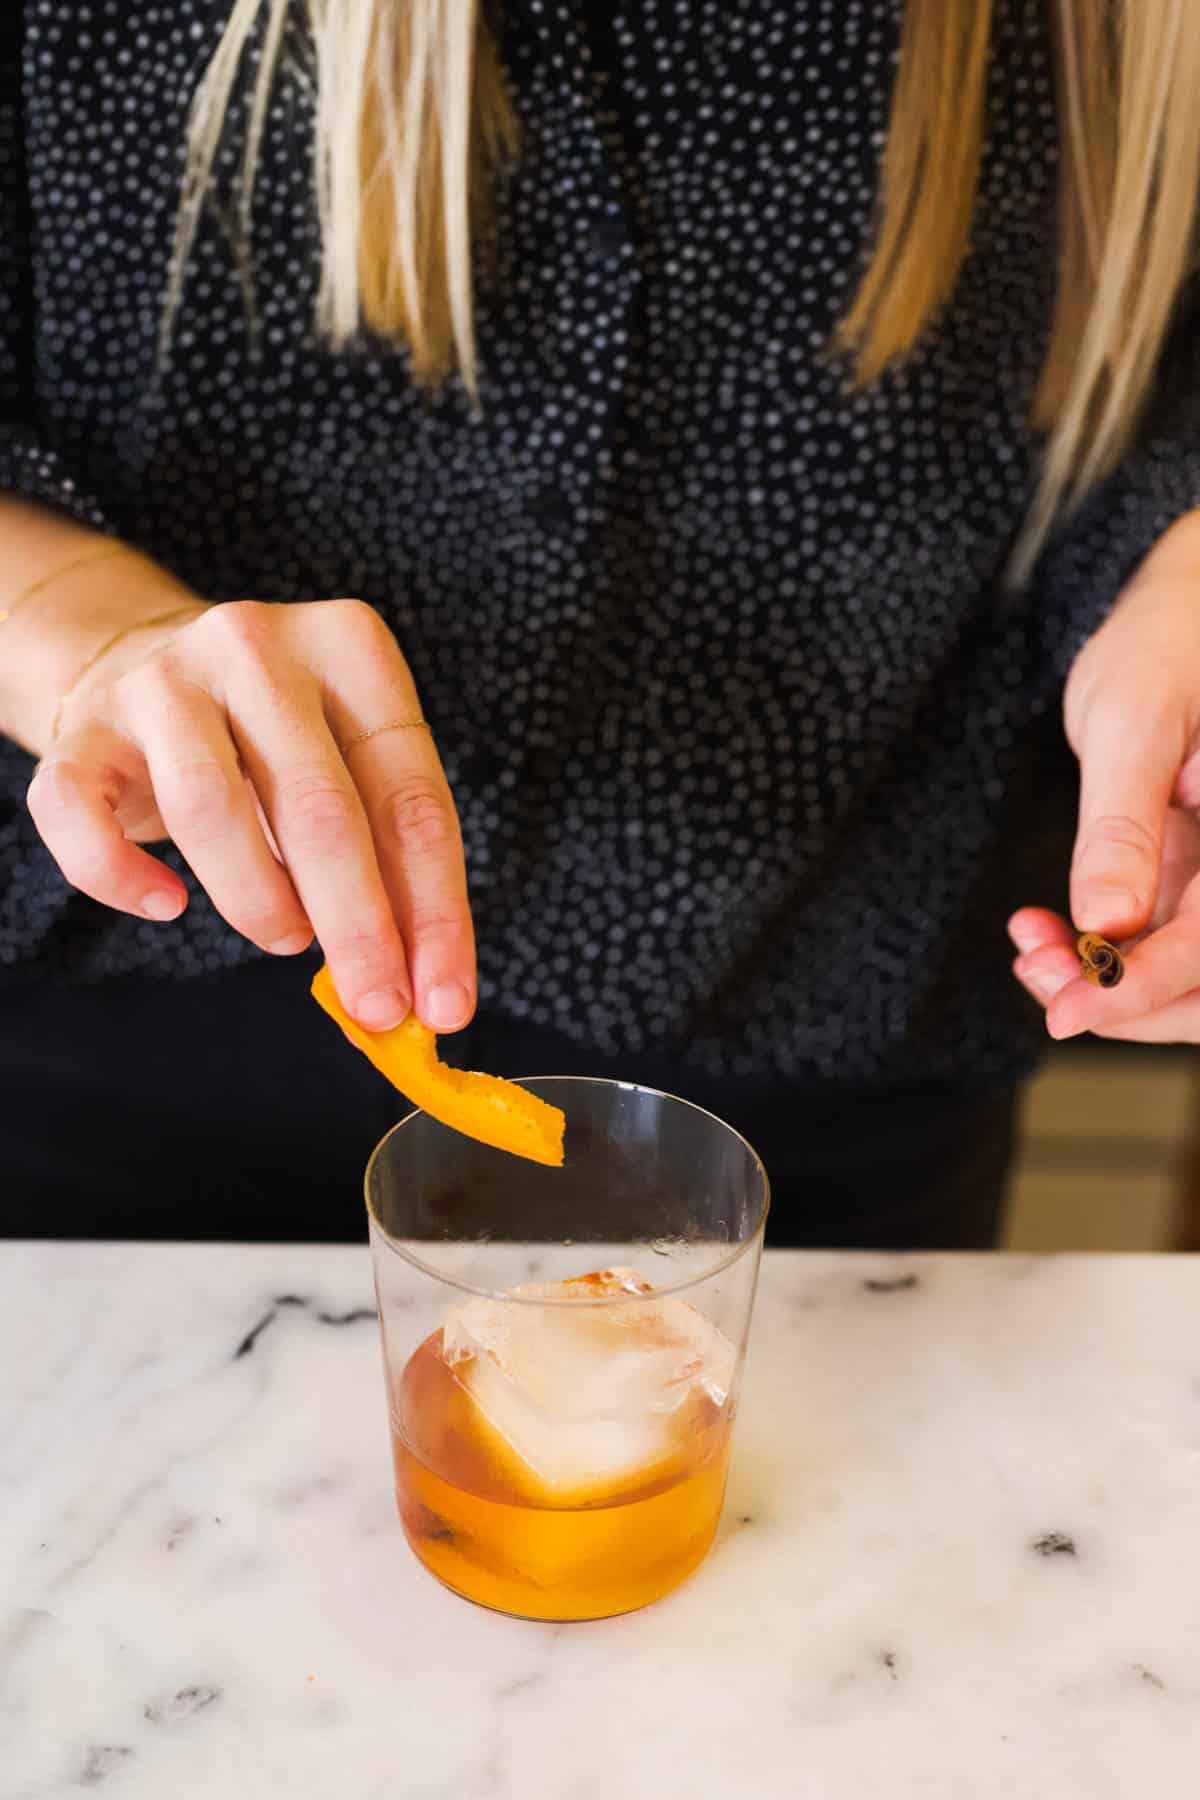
960, 1557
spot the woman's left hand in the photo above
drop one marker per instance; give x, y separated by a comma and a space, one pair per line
1132, 716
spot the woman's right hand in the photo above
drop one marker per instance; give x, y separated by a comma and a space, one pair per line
230, 731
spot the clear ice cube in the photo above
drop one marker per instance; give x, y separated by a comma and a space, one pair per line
587, 1397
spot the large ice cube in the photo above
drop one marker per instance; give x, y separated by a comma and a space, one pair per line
587, 1397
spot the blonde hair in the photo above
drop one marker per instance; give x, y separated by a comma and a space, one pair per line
412, 112
1129, 177
412, 117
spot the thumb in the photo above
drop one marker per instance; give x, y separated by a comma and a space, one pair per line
1128, 760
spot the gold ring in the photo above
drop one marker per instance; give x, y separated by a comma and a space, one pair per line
392, 725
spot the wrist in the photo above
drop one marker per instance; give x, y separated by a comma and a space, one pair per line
50, 643
123, 649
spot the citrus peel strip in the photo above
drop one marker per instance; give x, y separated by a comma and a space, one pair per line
485, 1107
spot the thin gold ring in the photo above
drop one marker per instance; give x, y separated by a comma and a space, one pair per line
391, 725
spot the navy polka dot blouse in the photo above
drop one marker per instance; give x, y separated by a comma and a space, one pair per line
752, 753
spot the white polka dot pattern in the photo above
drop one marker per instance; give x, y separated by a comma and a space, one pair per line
738, 725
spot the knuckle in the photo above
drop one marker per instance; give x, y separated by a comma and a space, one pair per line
1100, 708
243, 635
450, 925
52, 790
239, 621
420, 817
366, 945
356, 621
196, 798
1117, 831
150, 690
1094, 708
315, 810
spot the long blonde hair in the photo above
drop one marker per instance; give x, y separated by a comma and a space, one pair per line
412, 113
412, 117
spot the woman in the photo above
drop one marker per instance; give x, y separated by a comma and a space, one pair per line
734, 535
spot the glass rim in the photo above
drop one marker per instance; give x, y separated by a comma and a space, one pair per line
733, 1255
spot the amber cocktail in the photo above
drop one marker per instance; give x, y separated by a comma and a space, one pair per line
563, 1347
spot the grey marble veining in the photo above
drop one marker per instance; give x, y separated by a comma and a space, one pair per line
960, 1558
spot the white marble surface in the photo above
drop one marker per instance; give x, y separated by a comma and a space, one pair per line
960, 1558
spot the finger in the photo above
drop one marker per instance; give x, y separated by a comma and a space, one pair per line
1035, 926
1163, 968
318, 822
407, 799
73, 800
1128, 762
1045, 971
419, 844
1181, 859
209, 810
1178, 1023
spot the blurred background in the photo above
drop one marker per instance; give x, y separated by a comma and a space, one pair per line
1110, 1151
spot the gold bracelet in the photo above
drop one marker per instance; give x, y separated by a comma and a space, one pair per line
109, 548
110, 643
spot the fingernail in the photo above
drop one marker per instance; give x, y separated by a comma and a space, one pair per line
1098, 905
160, 903
382, 1009
1061, 1032
291, 945
447, 1006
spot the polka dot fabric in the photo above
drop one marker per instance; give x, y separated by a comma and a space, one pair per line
741, 729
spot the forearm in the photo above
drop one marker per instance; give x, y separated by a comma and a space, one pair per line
82, 599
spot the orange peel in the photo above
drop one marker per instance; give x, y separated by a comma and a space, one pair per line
485, 1107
